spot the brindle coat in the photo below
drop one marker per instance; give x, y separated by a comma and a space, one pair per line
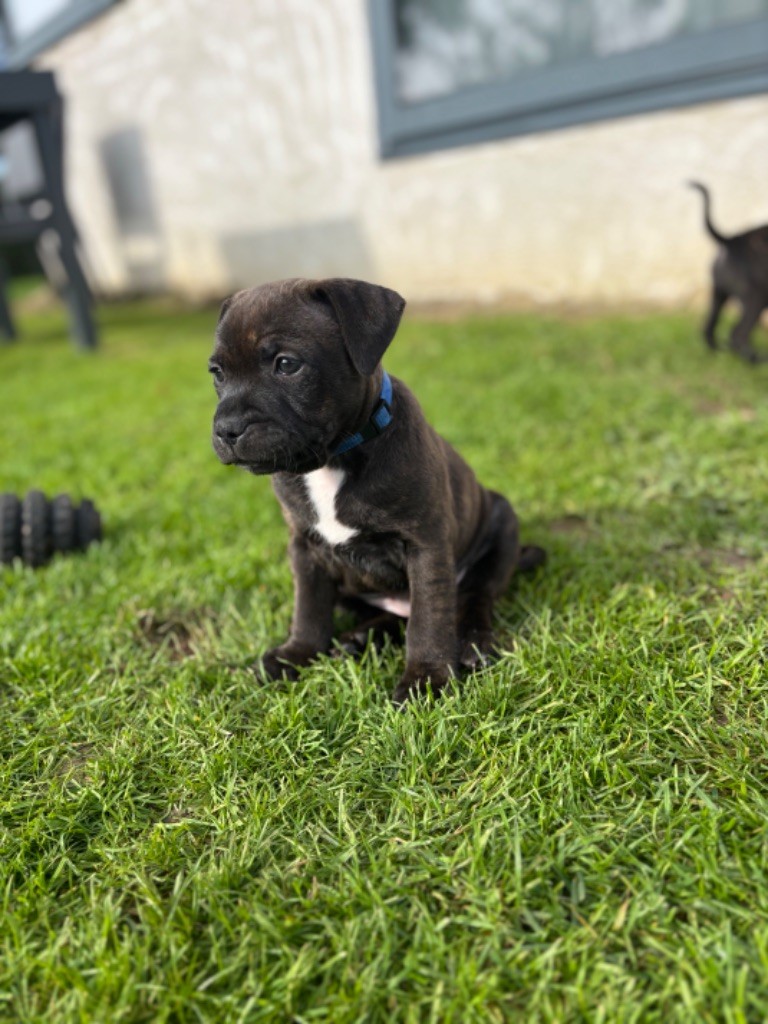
297, 369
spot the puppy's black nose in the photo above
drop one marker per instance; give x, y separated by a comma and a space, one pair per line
230, 429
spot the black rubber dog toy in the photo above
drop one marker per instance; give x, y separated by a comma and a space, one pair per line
33, 529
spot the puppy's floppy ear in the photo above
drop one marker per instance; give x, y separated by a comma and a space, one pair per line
368, 316
224, 307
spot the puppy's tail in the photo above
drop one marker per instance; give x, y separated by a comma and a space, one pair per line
531, 557
707, 214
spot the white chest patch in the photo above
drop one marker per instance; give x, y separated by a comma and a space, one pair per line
322, 487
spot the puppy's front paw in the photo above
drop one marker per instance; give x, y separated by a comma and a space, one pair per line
421, 679
284, 661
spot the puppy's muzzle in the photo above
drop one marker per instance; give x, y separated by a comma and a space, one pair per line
237, 438
229, 429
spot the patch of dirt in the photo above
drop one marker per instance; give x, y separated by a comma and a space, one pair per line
73, 765
712, 558
721, 596
175, 631
713, 407
710, 407
720, 715
572, 524
175, 814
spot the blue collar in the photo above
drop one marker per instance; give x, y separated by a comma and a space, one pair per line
380, 419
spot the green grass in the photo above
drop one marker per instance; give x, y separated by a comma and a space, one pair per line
578, 835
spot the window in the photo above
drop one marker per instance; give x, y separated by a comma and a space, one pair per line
451, 72
29, 26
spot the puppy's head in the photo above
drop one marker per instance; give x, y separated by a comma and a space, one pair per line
292, 367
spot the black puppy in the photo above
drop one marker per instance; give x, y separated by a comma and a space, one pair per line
740, 271
383, 514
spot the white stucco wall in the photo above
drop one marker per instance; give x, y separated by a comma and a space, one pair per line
251, 128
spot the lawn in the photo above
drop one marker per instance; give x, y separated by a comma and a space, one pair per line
578, 834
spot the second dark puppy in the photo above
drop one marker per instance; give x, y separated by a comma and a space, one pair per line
740, 271
383, 514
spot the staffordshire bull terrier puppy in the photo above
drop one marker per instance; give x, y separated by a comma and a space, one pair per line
383, 514
740, 271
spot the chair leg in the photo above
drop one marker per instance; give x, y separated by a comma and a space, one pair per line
7, 326
49, 132
77, 296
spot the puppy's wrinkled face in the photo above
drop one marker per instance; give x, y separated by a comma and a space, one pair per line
284, 378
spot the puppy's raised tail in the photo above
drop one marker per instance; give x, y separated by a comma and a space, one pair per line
707, 212
531, 557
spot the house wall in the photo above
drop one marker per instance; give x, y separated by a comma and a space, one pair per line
215, 145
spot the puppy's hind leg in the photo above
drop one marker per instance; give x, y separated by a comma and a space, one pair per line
752, 306
485, 581
531, 557
717, 301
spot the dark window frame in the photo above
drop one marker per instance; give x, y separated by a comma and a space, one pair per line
716, 64
20, 52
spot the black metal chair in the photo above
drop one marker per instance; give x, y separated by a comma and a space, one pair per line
43, 217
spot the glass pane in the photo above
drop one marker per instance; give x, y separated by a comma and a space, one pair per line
27, 16
447, 45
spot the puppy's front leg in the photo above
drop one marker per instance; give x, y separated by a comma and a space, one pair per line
431, 643
312, 622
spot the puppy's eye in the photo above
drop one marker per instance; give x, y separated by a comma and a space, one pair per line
286, 366
217, 373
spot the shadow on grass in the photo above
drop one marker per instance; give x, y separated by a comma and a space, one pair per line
678, 545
